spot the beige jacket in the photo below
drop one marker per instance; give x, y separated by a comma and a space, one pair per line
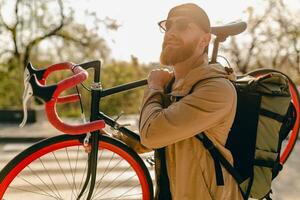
210, 108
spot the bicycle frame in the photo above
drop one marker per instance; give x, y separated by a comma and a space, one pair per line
96, 94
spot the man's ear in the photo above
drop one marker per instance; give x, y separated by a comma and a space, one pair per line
206, 39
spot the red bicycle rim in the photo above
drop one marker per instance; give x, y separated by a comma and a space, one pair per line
21, 165
294, 133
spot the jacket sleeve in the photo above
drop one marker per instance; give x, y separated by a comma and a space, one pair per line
203, 109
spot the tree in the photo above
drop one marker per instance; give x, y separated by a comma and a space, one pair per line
51, 23
271, 41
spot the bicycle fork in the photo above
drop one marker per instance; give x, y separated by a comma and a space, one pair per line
92, 166
95, 137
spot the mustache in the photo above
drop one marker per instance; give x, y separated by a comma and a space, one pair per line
172, 41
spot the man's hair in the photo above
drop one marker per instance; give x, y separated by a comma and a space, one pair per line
194, 12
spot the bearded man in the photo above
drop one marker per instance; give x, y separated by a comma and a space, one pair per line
178, 104
185, 169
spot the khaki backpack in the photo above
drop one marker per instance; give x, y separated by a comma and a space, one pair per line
264, 118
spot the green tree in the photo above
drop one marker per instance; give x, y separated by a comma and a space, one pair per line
117, 73
272, 40
113, 74
31, 26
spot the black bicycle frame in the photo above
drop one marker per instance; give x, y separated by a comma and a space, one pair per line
96, 94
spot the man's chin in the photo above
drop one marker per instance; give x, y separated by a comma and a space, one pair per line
168, 56
171, 59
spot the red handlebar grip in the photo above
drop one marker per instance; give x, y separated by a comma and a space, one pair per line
55, 67
70, 129
79, 76
70, 82
68, 99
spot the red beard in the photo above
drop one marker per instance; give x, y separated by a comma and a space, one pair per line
175, 51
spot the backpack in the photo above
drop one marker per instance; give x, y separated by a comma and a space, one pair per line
264, 118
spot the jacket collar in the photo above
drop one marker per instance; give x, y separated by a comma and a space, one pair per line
201, 72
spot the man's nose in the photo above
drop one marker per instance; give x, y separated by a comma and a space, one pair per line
171, 33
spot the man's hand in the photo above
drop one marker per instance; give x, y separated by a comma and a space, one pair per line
159, 78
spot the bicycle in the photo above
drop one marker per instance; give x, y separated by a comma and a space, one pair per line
97, 178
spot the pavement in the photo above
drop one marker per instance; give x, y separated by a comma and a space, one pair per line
285, 187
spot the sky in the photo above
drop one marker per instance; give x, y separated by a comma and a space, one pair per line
139, 34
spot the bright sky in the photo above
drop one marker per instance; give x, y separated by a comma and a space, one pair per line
139, 34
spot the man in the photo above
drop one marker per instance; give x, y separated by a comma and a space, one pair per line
185, 169
209, 108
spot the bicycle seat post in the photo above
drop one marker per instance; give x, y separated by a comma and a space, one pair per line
215, 51
222, 32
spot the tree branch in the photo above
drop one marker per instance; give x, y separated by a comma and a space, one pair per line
3, 22
50, 33
69, 38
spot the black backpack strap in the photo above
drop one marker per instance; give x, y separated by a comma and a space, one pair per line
164, 192
287, 125
218, 157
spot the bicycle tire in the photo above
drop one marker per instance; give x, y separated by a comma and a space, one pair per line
286, 151
13, 183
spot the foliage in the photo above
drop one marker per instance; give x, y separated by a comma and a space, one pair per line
114, 74
118, 73
43, 32
272, 40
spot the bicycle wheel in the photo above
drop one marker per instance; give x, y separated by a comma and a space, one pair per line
55, 168
287, 149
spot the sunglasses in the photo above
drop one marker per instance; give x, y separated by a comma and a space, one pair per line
179, 24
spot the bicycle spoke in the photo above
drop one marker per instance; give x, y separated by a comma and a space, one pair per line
41, 179
130, 195
70, 166
76, 170
62, 171
98, 183
83, 175
122, 195
114, 181
34, 192
105, 173
50, 177
39, 189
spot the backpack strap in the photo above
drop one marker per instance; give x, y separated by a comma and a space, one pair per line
215, 153
208, 144
219, 158
163, 183
164, 192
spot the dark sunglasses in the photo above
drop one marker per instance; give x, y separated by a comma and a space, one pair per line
179, 24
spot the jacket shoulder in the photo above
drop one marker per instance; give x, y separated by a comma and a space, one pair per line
216, 84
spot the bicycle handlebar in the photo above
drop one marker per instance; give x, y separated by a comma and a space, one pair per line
39, 85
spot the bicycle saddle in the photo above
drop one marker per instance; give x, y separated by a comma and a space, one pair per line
233, 28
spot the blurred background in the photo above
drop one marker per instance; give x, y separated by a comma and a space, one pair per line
125, 36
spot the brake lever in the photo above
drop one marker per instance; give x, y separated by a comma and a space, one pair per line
28, 92
26, 76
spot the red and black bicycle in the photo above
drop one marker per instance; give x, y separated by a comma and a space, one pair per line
60, 168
